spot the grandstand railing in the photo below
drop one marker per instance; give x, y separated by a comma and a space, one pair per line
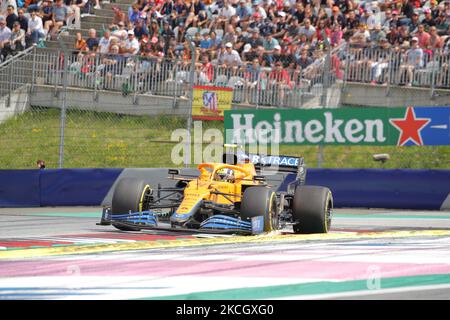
397, 67
163, 77
134, 75
15, 72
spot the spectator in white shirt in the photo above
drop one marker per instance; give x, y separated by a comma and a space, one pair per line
131, 45
103, 45
258, 9
225, 14
230, 58
308, 29
5, 34
35, 28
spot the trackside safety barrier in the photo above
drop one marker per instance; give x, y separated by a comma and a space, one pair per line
371, 188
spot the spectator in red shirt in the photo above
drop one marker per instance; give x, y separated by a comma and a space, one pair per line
423, 36
280, 80
205, 70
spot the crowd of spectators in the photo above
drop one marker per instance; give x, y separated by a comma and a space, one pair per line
286, 36
27, 22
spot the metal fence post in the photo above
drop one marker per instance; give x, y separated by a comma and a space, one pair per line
347, 64
136, 79
33, 72
63, 105
326, 79
187, 160
97, 63
10, 74
433, 76
389, 74
174, 78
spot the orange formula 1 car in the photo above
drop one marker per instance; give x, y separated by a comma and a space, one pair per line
228, 197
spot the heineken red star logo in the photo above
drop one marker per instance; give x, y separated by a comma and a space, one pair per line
410, 127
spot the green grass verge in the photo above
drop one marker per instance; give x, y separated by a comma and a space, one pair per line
106, 140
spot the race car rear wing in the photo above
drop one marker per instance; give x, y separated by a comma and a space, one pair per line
280, 163
235, 154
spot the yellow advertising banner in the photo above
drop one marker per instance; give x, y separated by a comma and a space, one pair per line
209, 102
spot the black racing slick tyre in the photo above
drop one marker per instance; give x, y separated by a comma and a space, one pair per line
312, 208
130, 194
260, 201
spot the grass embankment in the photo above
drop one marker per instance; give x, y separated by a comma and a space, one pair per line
110, 140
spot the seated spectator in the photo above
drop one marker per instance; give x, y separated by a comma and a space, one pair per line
230, 35
308, 29
197, 14
119, 16
180, 33
11, 17
435, 40
423, 37
16, 42
59, 18
280, 80
5, 35
103, 44
360, 37
304, 60
275, 56
337, 17
23, 20
229, 58
76, 7
205, 43
368, 19
377, 34
35, 28
251, 77
442, 24
414, 61
131, 45
134, 13
323, 33
414, 23
429, 20
380, 62
113, 65
45, 11
92, 40
270, 43
140, 30
120, 32
225, 14
205, 70
243, 11
255, 41
80, 44
336, 35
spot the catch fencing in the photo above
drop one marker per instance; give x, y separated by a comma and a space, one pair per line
78, 133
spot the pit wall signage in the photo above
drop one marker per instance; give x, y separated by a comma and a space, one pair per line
411, 126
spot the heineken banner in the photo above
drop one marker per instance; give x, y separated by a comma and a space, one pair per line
411, 126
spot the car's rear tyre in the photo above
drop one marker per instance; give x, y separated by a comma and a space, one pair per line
130, 194
311, 208
260, 201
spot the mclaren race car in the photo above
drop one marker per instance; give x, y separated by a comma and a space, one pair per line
232, 197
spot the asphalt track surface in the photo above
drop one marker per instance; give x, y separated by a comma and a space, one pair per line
60, 253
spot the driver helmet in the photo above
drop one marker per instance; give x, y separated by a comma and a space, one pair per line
225, 174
